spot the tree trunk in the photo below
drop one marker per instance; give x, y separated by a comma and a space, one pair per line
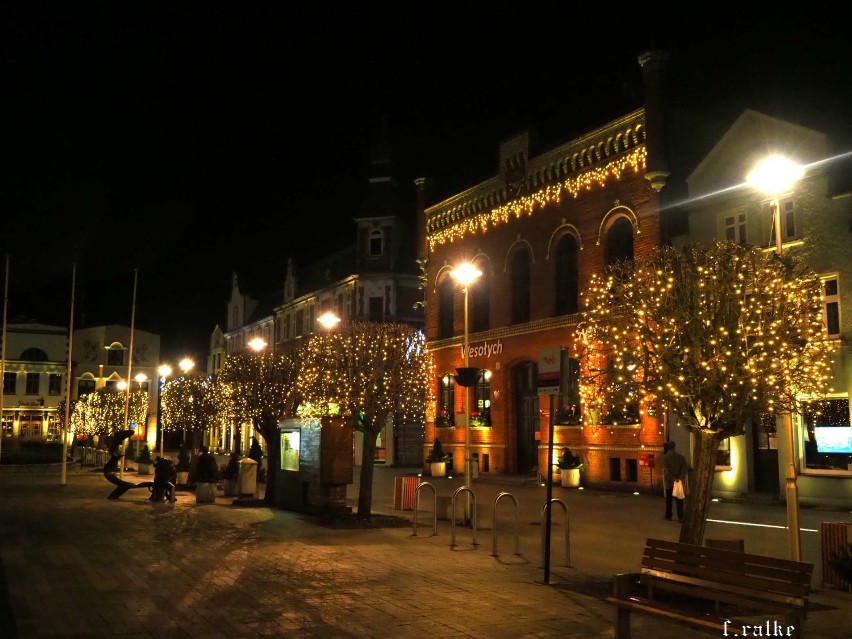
365, 485
271, 435
699, 487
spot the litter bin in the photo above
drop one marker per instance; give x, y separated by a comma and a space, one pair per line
247, 481
404, 487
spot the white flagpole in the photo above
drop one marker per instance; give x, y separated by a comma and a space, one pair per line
129, 367
66, 426
3, 356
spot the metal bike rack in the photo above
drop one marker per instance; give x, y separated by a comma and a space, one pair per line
494, 526
567, 530
434, 506
462, 489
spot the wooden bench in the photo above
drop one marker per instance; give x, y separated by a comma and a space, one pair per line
715, 590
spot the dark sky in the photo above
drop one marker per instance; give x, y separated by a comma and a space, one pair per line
191, 139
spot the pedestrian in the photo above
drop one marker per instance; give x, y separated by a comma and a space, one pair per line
675, 469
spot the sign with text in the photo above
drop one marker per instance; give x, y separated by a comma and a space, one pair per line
548, 370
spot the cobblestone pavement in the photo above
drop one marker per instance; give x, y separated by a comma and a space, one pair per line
75, 564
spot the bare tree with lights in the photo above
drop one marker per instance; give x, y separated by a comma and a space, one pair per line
264, 390
721, 335
189, 404
375, 372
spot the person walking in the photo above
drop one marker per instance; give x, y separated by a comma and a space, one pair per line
675, 469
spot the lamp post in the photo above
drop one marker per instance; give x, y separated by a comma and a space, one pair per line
185, 366
466, 274
164, 371
775, 176
328, 320
258, 345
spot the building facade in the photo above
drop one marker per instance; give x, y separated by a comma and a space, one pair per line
537, 231
816, 223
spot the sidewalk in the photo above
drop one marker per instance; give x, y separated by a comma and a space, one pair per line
79, 565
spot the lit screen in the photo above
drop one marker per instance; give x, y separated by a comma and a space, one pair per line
834, 439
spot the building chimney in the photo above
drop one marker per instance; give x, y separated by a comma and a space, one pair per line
653, 65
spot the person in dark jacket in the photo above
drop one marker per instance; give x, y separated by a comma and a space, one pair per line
674, 468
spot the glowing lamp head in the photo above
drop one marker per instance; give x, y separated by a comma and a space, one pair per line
328, 320
257, 344
465, 274
164, 370
186, 364
141, 378
775, 175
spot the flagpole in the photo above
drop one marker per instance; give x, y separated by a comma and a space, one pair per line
66, 424
3, 358
129, 368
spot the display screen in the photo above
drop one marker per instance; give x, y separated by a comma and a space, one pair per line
290, 449
834, 439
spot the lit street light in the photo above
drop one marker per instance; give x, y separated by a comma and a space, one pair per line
185, 365
328, 320
775, 176
164, 371
466, 274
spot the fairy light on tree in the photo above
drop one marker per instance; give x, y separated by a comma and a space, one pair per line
189, 405
375, 373
721, 335
100, 412
263, 389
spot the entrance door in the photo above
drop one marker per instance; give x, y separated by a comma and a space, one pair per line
526, 415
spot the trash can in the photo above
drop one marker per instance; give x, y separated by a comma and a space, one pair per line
247, 481
404, 487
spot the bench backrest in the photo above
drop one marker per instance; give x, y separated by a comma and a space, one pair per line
751, 578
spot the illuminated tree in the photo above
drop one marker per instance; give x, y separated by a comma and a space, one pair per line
264, 390
189, 404
374, 373
102, 412
721, 335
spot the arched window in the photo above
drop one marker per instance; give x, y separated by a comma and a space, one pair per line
480, 317
376, 243
521, 286
567, 276
480, 414
445, 415
34, 355
619, 242
445, 308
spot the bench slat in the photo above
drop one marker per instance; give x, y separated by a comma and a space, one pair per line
654, 608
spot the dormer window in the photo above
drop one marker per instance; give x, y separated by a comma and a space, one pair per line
376, 244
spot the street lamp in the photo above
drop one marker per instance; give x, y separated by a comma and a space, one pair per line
328, 320
185, 365
775, 176
466, 274
164, 371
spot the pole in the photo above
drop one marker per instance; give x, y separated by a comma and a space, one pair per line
66, 424
129, 368
3, 358
467, 470
791, 490
160, 437
548, 506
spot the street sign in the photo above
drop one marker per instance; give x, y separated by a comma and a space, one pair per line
548, 370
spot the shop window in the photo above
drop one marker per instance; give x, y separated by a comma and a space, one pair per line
54, 384
568, 399
445, 308
481, 413
567, 277
521, 286
445, 415
827, 434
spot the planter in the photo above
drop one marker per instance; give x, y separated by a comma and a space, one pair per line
438, 469
230, 486
143, 469
205, 492
570, 477
182, 477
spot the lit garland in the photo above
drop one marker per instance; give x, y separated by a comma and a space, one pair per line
719, 334
459, 226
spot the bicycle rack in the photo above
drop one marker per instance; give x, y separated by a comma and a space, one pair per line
462, 489
567, 530
494, 527
434, 508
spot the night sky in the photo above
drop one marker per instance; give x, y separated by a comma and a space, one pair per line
192, 139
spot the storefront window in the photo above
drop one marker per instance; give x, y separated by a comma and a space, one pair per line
827, 435
446, 401
290, 450
481, 413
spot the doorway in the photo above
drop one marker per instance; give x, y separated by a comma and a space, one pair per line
525, 377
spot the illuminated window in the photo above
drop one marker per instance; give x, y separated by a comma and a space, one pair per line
827, 434
568, 399
445, 415
480, 415
290, 450
723, 454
